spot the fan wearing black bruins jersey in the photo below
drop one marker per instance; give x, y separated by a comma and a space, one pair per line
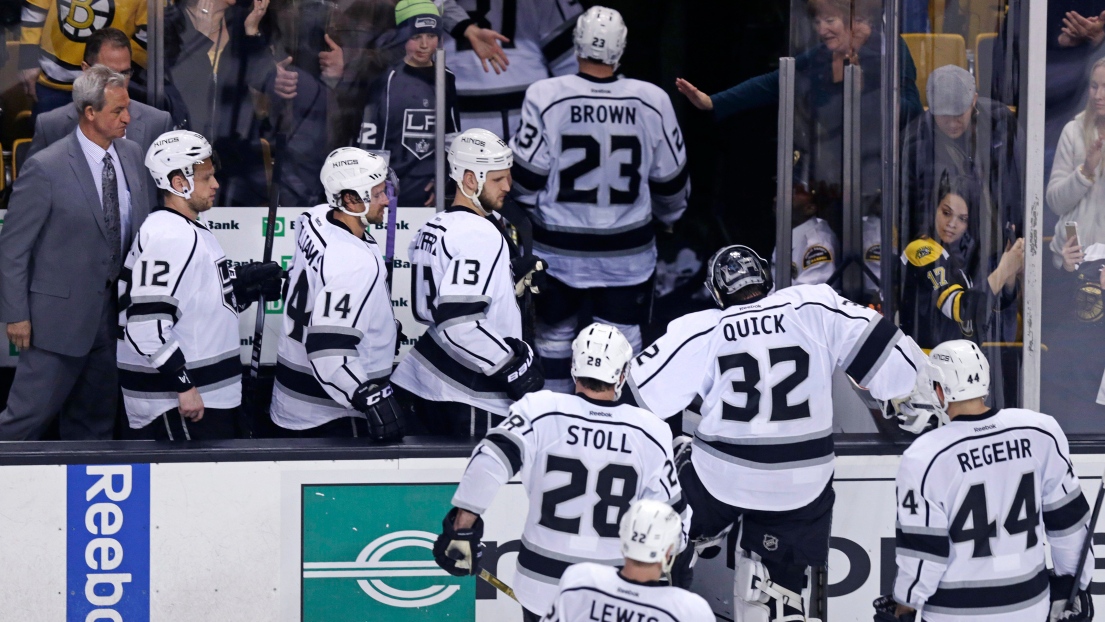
945, 294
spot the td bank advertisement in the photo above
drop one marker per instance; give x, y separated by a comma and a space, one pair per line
332, 541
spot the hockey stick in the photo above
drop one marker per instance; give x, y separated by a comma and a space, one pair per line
266, 256
497, 584
1086, 544
393, 215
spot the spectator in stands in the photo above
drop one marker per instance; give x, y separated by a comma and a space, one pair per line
399, 120
963, 135
217, 62
951, 289
1075, 191
109, 47
847, 37
53, 39
69, 225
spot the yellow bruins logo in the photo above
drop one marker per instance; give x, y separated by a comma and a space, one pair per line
1088, 304
78, 19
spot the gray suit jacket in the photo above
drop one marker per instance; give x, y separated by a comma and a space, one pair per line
55, 260
146, 124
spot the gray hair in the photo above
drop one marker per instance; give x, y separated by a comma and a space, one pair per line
88, 88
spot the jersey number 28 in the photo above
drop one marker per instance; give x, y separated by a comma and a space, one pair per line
616, 486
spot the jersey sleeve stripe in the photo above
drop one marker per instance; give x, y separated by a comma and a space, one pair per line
527, 176
453, 313
320, 345
772, 457
632, 239
506, 448
678, 503
559, 42
672, 186
1067, 518
162, 309
983, 599
924, 546
304, 386
873, 347
150, 382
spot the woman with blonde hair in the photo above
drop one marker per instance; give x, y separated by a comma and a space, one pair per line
1074, 191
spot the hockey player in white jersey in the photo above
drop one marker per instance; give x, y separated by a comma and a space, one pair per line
583, 459
471, 363
601, 161
179, 298
538, 44
977, 499
650, 534
339, 335
762, 455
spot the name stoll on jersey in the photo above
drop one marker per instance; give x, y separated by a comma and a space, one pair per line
599, 158
176, 307
582, 462
462, 289
339, 329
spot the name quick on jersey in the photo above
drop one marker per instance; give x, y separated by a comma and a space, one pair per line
745, 326
993, 453
603, 113
600, 439
615, 613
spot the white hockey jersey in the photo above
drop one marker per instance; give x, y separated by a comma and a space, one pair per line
590, 592
463, 290
599, 159
540, 33
975, 498
176, 309
339, 330
582, 462
813, 252
764, 371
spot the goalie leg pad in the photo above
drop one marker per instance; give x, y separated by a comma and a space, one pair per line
757, 598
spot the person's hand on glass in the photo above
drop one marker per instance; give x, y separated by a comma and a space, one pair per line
1072, 254
485, 43
331, 62
253, 20
286, 80
433, 196
1012, 261
699, 99
1078, 29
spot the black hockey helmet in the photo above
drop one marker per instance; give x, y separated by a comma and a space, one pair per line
734, 268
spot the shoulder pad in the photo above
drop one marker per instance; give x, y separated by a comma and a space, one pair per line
923, 251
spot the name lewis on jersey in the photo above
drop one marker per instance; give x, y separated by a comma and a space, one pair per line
618, 613
598, 439
603, 113
761, 325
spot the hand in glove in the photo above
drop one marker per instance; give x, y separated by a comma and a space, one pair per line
529, 272
1081, 608
521, 374
376, 400
458, 550
255, 279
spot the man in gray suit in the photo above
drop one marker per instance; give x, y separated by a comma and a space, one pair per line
70, 222
109, 47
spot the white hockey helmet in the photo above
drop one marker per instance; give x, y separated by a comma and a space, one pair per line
178, 150
650, 532
481, 152
600, 35
964, 372
602, 352
348, 169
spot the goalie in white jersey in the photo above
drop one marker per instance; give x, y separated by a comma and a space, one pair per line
179, 357
763, 453
471, 363
600, 160
651, 534
583, 459
976, 500
339, 339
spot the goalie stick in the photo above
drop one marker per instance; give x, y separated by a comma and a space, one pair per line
1086, 544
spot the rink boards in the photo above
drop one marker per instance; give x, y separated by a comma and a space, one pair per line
333, 540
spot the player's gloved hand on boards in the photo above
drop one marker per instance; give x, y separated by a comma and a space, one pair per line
886, 611
529, 272
521, 374
458, 551
1061, 609
376, 400
256, 279
400, 336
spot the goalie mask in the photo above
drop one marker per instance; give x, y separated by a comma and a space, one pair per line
733, 269
602, 352
600, 35
481, 152
349, 169
178, 150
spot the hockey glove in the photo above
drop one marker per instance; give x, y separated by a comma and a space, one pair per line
1061, 609
377, 401
256, 279
458, 551
521, 374
529, 272
886, 608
